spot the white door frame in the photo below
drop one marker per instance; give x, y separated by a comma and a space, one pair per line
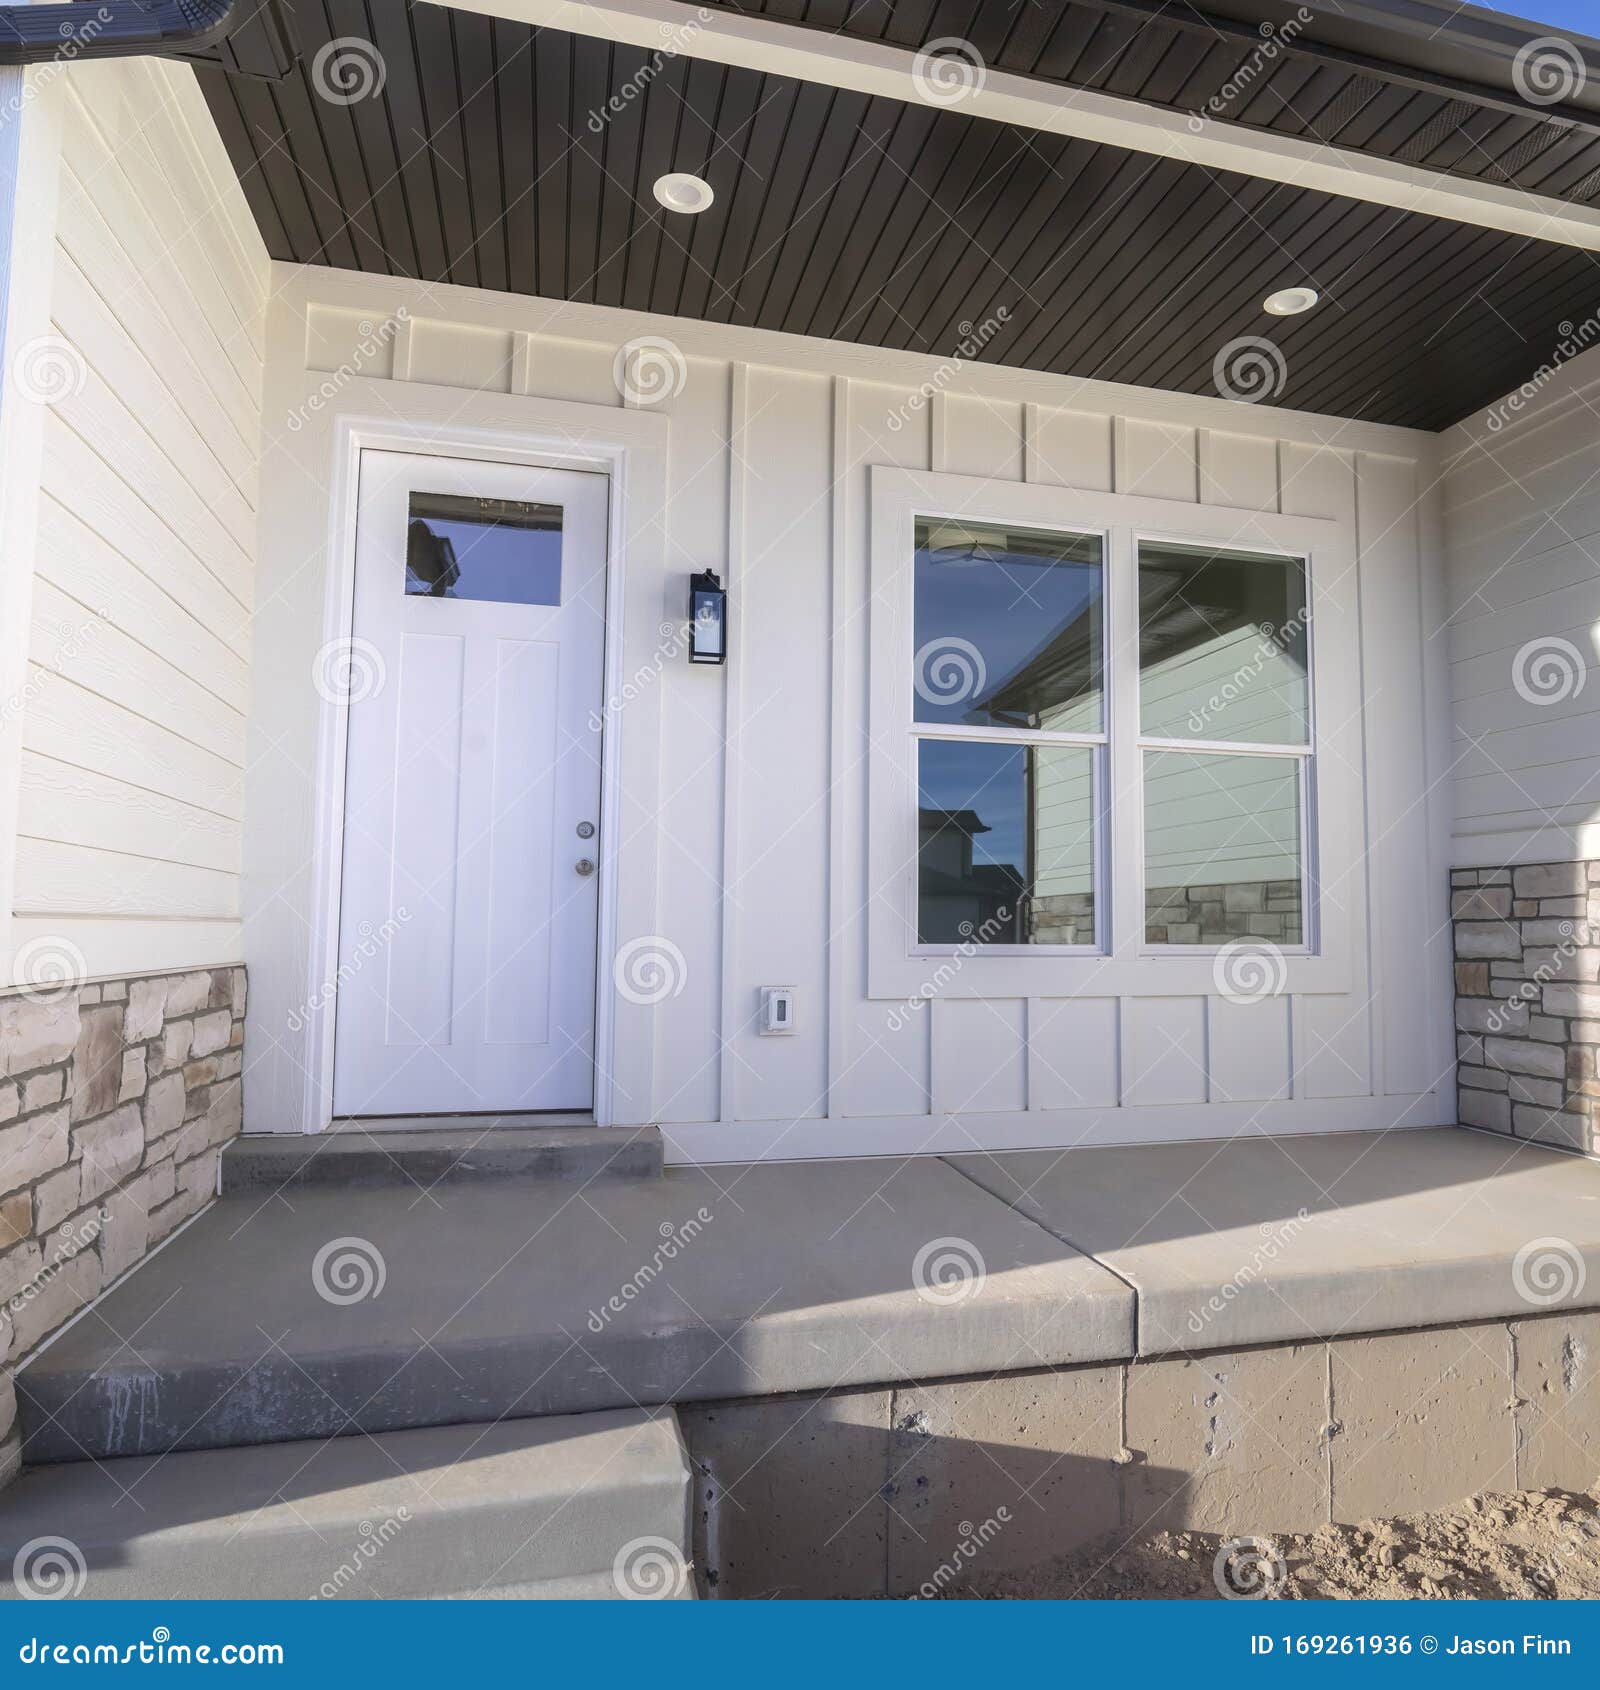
630, 448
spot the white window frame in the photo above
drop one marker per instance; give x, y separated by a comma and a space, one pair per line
1122, 964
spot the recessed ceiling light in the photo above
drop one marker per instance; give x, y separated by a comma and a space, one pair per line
1290, 302
680, 191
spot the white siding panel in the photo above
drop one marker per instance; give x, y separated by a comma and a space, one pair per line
133, 728
76, 880
79, 807
979, 1056
1248, 1050
1072, 1045
776, 898
1070, 449
1522, 534
1163, 1051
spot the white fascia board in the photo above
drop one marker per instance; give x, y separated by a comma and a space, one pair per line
674, 29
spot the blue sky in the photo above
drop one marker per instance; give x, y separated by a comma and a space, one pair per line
1580, 15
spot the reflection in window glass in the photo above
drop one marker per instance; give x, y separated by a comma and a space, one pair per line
1006, 844
504, 551
1007, 626
1221, 848
1222, 646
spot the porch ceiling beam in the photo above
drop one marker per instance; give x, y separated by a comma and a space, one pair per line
876, 68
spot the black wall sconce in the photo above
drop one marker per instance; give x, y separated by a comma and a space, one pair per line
708, 619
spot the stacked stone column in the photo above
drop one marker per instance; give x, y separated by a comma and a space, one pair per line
1527, 962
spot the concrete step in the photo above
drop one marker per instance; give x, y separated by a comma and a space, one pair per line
384, 1309
590, 1505
427, 1156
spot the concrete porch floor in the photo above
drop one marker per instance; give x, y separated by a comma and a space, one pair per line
473, 1301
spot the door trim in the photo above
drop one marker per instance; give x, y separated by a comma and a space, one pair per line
630, 448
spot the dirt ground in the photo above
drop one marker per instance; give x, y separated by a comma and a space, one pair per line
1540, 1545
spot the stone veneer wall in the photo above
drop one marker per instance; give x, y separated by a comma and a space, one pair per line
115, 1101
1527, 1002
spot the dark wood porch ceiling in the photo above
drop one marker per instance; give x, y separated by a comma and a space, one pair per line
502, 157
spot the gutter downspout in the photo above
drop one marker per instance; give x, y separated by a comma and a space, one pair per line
111, 29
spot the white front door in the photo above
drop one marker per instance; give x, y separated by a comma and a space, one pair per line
472, 789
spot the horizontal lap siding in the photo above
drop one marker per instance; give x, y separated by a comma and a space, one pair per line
1522, 533
764, 785
129, 822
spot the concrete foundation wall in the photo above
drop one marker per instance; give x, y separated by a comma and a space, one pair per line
898, 1491
115, 1101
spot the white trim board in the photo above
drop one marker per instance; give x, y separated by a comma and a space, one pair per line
828, 1138
873, 67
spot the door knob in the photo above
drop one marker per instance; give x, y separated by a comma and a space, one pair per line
584, 866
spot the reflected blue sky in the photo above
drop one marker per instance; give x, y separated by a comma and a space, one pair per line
990, 779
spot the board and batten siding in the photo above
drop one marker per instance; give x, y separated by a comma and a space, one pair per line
1522, 527
130, 814
761, 855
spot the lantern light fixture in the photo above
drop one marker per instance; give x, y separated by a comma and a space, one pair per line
708, 619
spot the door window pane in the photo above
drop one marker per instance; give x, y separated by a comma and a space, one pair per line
1007, 626
1222, 645
504, 551
1221, 848
1006, 844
